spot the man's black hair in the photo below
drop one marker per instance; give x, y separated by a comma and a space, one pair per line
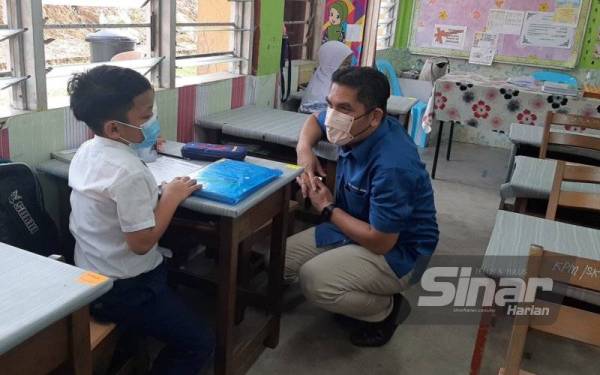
105, 93
373, 88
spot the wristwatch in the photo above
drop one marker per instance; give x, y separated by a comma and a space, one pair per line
327, 211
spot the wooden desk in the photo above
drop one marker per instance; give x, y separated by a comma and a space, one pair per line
44, 318
532, 178
233, 224
507, 255
275, 131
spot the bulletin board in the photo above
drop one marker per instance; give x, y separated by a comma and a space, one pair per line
434, 21
345, 22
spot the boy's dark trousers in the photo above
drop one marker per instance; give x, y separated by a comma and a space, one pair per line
146, 305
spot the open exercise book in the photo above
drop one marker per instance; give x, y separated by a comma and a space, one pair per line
165, 169
226, 181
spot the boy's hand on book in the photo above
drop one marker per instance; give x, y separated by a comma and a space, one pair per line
179, 189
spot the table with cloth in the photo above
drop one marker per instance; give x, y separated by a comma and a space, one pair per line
494, 105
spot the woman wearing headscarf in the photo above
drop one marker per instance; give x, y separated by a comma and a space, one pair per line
332, 56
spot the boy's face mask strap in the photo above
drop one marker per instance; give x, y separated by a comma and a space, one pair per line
150, 130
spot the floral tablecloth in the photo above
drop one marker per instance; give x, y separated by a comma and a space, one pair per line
480, 103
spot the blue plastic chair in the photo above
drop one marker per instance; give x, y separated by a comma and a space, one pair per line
386, 68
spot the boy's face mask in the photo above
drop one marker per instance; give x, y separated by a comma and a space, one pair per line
339, 126
150, 130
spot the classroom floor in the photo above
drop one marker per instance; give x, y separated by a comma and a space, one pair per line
467, 198
466, 191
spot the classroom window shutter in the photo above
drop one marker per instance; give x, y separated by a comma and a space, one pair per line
386, 24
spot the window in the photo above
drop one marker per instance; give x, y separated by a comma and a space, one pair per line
78, 33
9, 75
43, 42
213, 39
299, 20
5, 71
386, 25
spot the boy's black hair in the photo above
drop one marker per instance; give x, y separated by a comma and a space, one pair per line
105, 93
373, 88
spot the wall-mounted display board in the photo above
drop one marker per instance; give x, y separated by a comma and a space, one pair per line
546, 33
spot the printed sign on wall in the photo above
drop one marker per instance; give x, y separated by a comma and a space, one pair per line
345, 22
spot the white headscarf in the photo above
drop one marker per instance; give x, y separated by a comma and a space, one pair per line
331, 56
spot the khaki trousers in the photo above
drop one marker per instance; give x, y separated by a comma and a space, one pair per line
348, 280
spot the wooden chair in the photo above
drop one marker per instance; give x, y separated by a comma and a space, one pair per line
577, 142
571, 199
566, 139
566, 321
103, 342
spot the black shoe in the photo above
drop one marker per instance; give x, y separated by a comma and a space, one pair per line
379, 333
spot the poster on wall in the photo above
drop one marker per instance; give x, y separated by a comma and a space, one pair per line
540, 30
502, 21
448, 36
345, 22
484, 48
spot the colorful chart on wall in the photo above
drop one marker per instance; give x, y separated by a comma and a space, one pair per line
345, 22
546, 33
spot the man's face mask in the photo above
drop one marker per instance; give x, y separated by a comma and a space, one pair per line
339, 125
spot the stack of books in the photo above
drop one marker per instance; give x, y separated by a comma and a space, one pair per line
560, 89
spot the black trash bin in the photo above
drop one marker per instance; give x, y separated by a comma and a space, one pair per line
104, 44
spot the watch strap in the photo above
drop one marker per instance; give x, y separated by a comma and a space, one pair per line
327, 212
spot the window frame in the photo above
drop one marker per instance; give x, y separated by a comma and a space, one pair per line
241, 54
27, 50
389, 23
311, 36
68, 69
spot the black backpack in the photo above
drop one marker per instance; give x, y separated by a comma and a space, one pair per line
24, 223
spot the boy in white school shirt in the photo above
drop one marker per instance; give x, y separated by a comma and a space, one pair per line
117, 217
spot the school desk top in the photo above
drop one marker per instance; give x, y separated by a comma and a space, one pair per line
514, 233
265, 124
533, 135
36, 291
532, 178
400, 105
290, 172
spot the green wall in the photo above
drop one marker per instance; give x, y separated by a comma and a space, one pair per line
403, 24
271, 26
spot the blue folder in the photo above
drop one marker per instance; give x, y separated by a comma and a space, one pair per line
231, 181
